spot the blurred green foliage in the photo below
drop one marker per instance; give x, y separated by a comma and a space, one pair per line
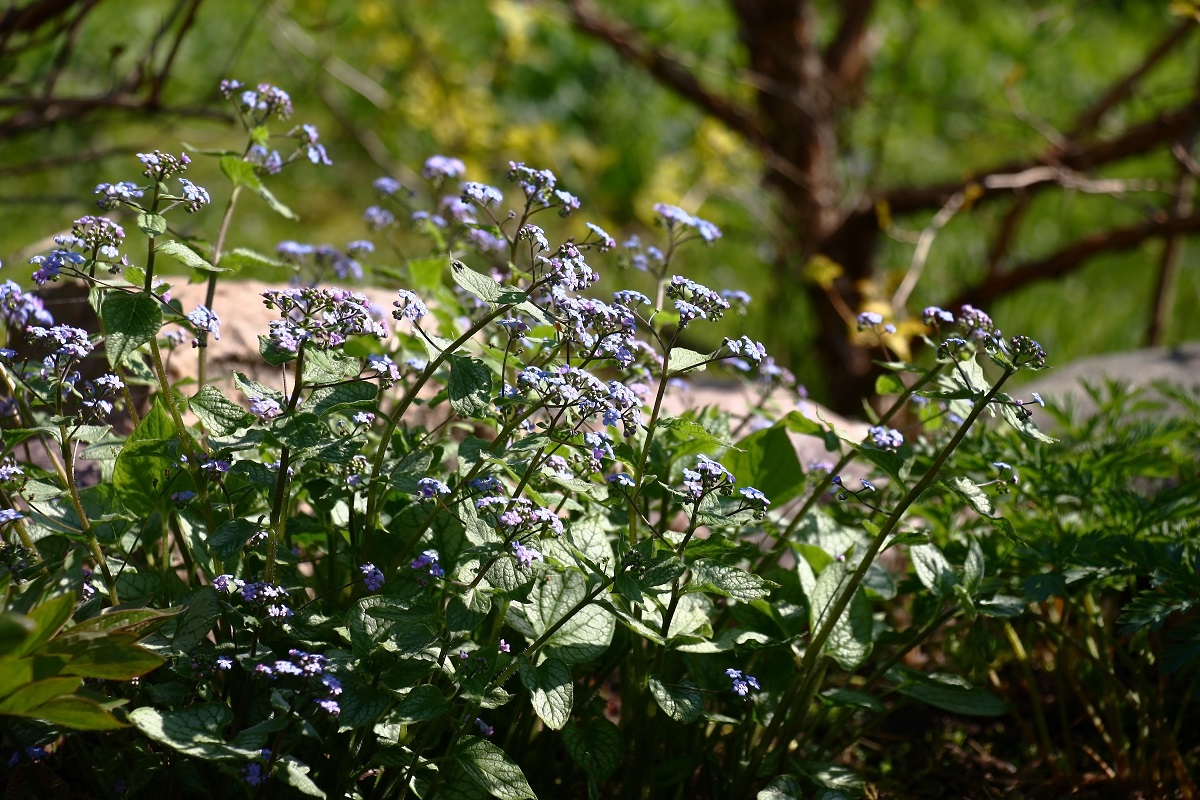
955, 87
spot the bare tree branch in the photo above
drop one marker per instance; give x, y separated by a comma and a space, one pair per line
630, 44
1074, 256
1090, 119
1135, 140
846, 56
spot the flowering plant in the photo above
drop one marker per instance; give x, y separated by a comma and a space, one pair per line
462, 535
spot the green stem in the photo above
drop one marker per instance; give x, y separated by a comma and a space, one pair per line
211, 292
68, 455
393, 421
278, 502
813, 652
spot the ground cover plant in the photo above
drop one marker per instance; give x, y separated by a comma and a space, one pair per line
459, 548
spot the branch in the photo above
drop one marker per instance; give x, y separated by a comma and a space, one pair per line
845, 57
1138, 139
631, 45
1091, 118
1074, 256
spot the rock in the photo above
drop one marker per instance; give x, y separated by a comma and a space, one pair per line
1063, 387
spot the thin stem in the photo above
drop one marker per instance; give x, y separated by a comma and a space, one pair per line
211, 292
68, 455
278, 502
813, 652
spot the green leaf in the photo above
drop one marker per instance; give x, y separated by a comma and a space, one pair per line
784, 787
231, 537
889, 383
141, 468
596, 746
356, 394
684, 360
219, 415
933, 570
32, 695
470, 386
130, 320
194, 731
466, 612
200, 615
240, 258
967, 490
849, 698
75, 712
151, 224
276, 206
550, 690
239, 172
973, 566
422, 703
14, 630
483, 286
682, 702
295, 774
958, 699
1018, 417
302, 430
767, 461
48, 617
492, 769
425, 274
112, 660
713, 576
850, 641
186, 256
328, 366
585, 635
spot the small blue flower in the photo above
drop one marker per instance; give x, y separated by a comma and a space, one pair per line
372, 577
742, 684
869, 319
431, 487
886, 438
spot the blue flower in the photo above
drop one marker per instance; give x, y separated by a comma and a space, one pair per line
441, 168
886, 438
742, 684
372, 577
431, 487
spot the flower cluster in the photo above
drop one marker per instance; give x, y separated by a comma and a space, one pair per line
324, 318
261, 103
114, 194
98, 236
307, 668
742, 684
695, 301
18, 308
50, 266
205, 319
441, 168
428, 560
683, 225
886, 438
373, 579
540, 188
708, 476
525, 554
408, 306
159, 165
263, 595
519, 516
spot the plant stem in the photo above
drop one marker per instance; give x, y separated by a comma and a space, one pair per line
813, 653
211, 292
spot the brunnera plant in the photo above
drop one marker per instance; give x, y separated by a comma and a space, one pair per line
458, 548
